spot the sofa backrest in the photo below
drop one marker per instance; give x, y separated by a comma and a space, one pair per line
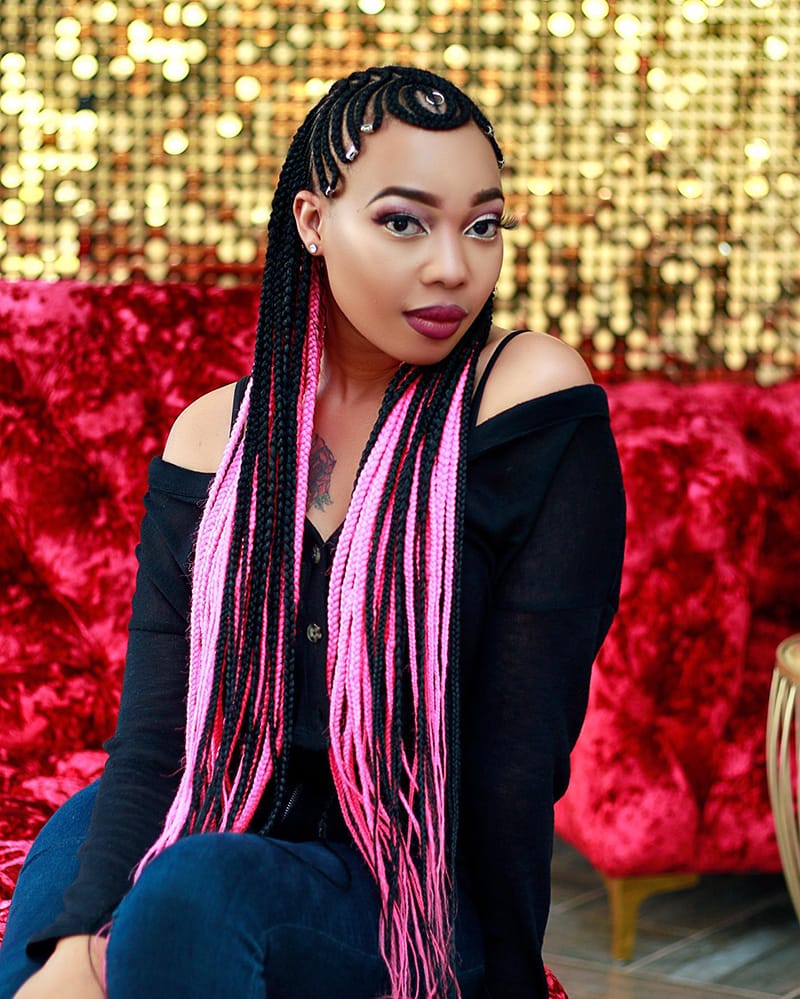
91, 379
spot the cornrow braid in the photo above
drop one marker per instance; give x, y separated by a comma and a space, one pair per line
357, 104
393, 605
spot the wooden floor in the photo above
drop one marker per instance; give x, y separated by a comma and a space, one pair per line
731, 936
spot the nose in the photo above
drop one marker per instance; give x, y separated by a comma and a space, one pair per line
447, 264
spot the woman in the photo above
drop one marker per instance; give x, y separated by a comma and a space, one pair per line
385, 678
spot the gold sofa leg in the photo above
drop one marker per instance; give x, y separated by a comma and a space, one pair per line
625, 895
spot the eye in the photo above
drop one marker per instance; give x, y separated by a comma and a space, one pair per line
485, 227
401, 224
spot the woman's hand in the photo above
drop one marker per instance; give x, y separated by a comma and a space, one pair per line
73, 971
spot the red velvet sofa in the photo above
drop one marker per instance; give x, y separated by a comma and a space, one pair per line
668, 776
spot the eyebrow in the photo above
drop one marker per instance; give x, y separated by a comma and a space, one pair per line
489, 194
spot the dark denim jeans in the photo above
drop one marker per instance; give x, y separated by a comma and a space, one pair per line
227, 916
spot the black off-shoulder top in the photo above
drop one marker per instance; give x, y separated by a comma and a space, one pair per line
540, 578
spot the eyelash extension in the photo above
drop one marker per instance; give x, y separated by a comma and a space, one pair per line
507, 221
397, 215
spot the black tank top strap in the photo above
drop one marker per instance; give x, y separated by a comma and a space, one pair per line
481, 386
238, 396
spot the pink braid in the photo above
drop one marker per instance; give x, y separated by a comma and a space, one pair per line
416, 933
210, 560
212, 551
306, 403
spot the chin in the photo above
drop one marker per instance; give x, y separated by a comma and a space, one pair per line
431, 352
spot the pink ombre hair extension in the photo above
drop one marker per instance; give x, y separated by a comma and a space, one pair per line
212, 552
416, 926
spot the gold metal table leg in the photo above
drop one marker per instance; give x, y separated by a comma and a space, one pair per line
783, 761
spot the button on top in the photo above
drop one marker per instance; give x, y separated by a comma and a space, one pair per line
316, 554
313, 633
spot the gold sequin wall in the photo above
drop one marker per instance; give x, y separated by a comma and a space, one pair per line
651, 145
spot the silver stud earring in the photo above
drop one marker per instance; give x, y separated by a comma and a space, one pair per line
312, 247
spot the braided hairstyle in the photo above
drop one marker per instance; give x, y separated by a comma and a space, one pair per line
393, 607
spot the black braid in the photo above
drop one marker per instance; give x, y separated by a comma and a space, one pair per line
269, 452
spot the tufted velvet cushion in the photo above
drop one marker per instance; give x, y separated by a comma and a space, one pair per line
668, 774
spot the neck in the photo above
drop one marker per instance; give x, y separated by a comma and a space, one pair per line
353, 370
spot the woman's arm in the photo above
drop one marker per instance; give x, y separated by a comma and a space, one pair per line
549, 613
523, 366
73, 971
199, 435
144, 755
146, 751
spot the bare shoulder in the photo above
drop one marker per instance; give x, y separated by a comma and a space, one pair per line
529, 366
199, 435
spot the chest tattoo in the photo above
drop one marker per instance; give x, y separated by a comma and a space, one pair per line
320, 469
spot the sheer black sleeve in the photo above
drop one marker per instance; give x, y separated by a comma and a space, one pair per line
549, 609
145, 754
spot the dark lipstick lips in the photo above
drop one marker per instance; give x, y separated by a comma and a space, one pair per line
436, 322
439, 313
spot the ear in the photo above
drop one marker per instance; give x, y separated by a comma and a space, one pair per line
308, 212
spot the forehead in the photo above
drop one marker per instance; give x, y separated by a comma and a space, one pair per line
450, 163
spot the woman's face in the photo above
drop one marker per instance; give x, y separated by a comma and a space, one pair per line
411, 241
